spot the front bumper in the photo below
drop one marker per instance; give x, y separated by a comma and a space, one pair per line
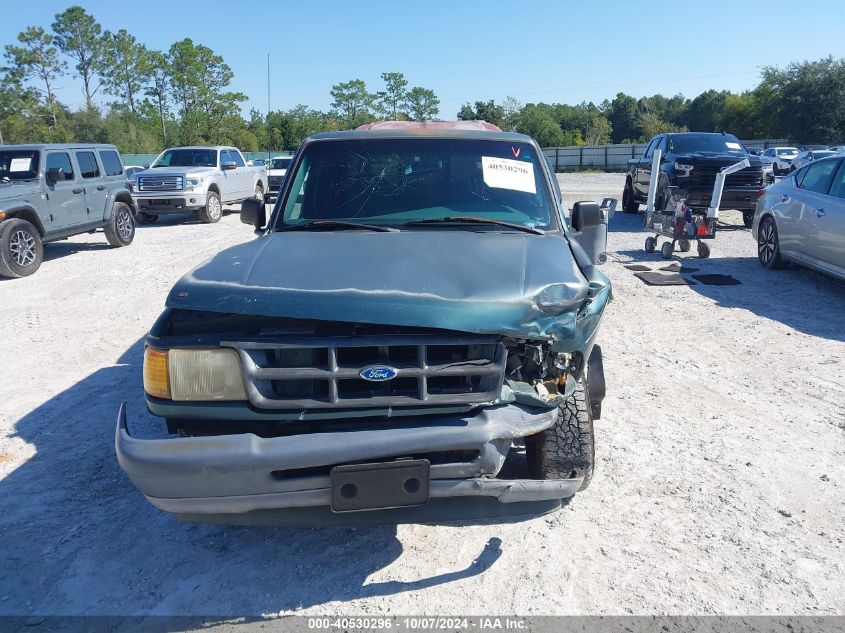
160, 202
240, 473
739, 198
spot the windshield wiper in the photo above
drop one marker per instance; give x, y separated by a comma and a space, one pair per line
468, 219
334, 225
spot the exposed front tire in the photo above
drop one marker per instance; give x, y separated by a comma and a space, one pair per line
768, 244
703, 250
650, 244
567, 448
667, 249
629, 204
213, 210
120, 230
684, 246
21, 250
748, 218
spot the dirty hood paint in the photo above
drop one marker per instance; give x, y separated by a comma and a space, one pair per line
473, 281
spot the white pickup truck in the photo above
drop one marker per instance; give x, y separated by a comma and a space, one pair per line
200, 179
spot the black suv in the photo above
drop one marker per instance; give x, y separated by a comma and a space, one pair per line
688, 170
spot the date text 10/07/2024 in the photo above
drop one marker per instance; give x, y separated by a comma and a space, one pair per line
417, 623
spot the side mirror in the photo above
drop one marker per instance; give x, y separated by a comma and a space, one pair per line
586, 215
54, 175
229, 166
253, 212
146, 165
590, 221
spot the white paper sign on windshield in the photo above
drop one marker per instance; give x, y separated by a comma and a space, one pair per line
732, 145
20, 164
504, 173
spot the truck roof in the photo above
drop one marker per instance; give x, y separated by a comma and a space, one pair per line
214, 147
426, 129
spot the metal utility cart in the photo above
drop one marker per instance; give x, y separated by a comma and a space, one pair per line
678, 222
682, 226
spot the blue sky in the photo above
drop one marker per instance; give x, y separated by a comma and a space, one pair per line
467, 50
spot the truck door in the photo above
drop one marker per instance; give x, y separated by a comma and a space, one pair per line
643, 169
95, 190
231, 183
244, 175
67, 197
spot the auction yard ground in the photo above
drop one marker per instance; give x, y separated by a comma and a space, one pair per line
719, 487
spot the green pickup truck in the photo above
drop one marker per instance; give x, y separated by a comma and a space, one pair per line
52, 192
411, 337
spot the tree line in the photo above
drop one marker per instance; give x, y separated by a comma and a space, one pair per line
803, 102
143, 100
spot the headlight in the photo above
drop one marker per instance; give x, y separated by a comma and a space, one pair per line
194, 374
194, 182
683, 169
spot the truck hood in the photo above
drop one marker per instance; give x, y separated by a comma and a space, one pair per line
12, 190
723, 157
472, 281
177, 171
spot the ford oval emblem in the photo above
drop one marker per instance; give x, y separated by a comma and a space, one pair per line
378, 373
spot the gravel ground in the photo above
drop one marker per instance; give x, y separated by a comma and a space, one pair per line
719, 488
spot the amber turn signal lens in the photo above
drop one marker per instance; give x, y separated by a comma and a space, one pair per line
156, 375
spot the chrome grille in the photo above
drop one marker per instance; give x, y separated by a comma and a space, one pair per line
160, 183
322, 373
275, 181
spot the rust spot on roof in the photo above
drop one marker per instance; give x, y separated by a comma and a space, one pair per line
430, 125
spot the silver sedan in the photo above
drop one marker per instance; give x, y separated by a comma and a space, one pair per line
802, 219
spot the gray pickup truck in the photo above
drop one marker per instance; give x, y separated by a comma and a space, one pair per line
196, 179
52, 192
413, 328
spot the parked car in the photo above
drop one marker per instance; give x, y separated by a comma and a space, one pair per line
52, 192
416, 309
809, 156
688, 168
196, 179
276, 174
780, 158
802, 219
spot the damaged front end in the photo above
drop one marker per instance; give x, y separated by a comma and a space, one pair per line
459, 405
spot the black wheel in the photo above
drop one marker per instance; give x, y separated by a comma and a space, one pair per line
768, 245
21, 250
703, 250
629, 205
650, 244
213, 210
565, 450
747, 218
667, 249
663, 200
684, 245
146, 218
120, 230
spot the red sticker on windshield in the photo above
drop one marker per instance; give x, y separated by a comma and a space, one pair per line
516, 151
